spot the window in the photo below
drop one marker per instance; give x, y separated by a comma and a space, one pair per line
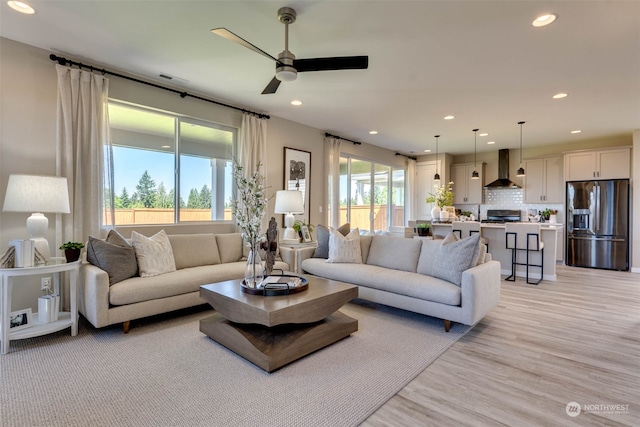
169, 168
371, 194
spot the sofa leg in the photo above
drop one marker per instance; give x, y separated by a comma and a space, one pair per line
126, 325
447, 325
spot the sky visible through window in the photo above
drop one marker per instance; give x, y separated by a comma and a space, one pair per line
129, 165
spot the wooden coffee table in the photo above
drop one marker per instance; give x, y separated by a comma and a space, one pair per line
272, 331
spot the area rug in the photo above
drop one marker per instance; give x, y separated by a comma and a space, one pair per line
166, 373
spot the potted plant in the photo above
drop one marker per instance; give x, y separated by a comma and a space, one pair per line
72, 250
297, 225
423, 229
442, 196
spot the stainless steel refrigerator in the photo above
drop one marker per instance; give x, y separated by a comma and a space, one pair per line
598, 224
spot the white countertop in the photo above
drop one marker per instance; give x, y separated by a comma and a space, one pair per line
493, 225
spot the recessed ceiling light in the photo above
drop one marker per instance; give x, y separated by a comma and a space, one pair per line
21, 7
483, 134
165, 146
490, 142
373, 132
296, 102
449, 117
560, 95
543, 20
576, 131
427, 151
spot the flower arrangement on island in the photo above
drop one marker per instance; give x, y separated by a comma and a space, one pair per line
250, 205
442, 195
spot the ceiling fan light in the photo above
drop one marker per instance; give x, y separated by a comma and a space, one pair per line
286, 74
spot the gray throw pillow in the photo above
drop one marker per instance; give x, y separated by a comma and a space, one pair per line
113, 255
322, 234
455, 256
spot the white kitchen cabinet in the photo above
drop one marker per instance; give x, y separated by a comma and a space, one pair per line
424, 185
614, 163
543, 180
465, 189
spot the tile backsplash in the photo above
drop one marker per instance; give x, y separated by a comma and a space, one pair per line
511, 198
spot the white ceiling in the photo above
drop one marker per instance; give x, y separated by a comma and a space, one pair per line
481, 61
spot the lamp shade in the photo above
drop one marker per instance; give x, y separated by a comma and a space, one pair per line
289, 201
35, 193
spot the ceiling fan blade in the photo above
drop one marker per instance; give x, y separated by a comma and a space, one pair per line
223, 32
335, 63
272, 87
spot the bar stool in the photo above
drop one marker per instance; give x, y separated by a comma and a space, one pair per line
524, 237
468, 228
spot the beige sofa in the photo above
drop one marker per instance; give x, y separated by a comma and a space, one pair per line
399, 272
197, 263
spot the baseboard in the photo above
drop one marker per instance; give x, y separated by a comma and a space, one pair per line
635, 269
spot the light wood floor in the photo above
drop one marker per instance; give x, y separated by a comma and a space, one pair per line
573, 340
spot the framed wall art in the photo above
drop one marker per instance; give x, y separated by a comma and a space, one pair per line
297, 175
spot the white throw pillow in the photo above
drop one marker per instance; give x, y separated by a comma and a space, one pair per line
154, 254
345, 248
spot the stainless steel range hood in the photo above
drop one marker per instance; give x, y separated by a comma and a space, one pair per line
503, 180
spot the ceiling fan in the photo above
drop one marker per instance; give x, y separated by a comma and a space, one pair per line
287, 66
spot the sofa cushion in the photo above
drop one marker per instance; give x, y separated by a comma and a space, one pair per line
455, 256
322, 233
187, 280
229, 247
154, 254
193, 250
345, 248
395, 281
393, 252
113, 255
427, 258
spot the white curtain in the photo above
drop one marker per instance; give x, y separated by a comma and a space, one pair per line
252, 149
410, 197
83, 145
332, 146
83, 142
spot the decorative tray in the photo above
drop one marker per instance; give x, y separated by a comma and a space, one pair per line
281, 287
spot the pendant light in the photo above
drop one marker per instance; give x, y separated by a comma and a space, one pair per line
475, 174
436, 177
521, 169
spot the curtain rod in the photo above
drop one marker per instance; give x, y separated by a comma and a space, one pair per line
65, 61
328, 135
408, 157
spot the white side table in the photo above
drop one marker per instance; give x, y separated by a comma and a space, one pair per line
54, 266
296, 248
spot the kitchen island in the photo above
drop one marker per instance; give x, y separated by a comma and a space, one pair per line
551, 235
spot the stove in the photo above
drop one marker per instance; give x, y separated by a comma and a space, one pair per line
500, 216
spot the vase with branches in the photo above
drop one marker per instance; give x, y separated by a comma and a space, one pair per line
249, 208
442, 195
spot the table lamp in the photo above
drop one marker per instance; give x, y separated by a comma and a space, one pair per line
289, 202
37, 194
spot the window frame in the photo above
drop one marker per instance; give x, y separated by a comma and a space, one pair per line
178, 120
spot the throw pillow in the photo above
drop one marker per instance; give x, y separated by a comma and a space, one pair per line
154, 254
322, 234
113, 255
455, 256
344, 248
